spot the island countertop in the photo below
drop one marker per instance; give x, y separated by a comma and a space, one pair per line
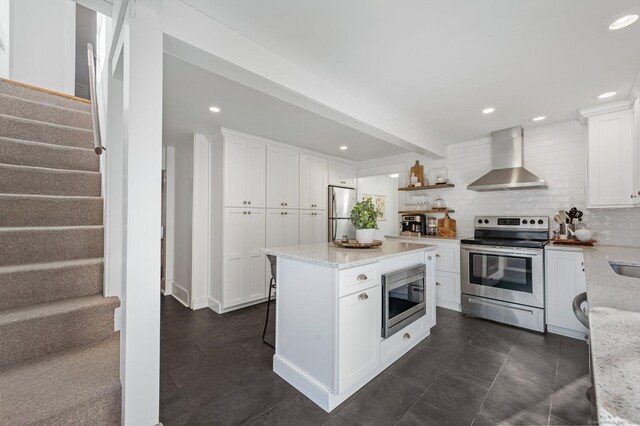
614, 321
327, 254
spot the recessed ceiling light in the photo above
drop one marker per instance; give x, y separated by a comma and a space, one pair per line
394, 175
607, 95
540, 118
625, 21
488, 110
214, 109
343, 147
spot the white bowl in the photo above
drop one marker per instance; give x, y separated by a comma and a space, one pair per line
584, 234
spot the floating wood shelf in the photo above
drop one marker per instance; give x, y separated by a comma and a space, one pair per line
422, 188
426, 211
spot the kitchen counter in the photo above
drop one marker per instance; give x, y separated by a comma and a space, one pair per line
327, 254
614, 329
424, 238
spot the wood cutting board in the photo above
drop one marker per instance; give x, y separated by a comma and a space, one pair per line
418, 171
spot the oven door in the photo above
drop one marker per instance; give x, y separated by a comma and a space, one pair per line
404, 298
513, 275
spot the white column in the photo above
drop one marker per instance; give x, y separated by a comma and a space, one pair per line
200, 238
142, 76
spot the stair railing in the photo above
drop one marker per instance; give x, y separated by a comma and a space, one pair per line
97, 138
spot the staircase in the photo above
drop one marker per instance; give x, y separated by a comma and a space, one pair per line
59, 355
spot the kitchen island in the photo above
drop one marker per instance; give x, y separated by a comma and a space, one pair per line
331, 310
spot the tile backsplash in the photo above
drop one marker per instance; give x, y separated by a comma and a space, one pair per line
556, 153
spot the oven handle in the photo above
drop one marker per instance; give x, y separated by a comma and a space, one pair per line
492, 250
485, 302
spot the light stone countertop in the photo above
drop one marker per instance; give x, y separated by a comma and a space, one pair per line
614, 329
327, 254
425, 238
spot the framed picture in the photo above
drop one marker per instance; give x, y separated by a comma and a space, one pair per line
368, 197
380, 204
438, 176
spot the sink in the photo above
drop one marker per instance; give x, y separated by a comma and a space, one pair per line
626, 270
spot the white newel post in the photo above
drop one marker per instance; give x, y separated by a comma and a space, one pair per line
142, 100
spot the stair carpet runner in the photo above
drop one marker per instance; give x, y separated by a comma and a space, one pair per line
59, 355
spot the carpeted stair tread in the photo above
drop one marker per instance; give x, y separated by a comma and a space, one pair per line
49, 244
38, 154
33, 110
20, 91
36, 330
78, 386
23, 285
18, 210
39, 131
46, 181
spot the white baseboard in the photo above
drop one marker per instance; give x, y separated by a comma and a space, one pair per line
454, 306
216, 305
180, 294
580, 335
202, 302
168, 287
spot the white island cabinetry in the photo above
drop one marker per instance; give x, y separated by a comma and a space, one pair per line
329, 316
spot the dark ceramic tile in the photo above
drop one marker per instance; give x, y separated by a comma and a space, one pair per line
425, 415
480, 363
554, 421
213, 365
420, 367
574, 357
569, 401
513, 400
377, 405
179, 357
481, 421
295, 411
496, 337
464, 326
534, 365
256, 346
446, 342
212, 346
455, 394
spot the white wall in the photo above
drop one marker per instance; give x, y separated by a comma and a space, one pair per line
5, 42
555, 152
388, 187
42, 43
181, 286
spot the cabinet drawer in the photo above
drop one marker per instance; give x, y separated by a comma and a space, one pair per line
357, 279
448, 258
397, 343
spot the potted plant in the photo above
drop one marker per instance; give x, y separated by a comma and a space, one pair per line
364, 217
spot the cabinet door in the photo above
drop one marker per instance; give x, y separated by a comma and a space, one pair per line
448, 257
342, 174
291, 178
358, 336
290, 228
234, 256
275, 228
349, 175
319, 228
275, 178
319, 183
430, 262
306, 220
256, 171
255, 264
565, 280
448, 290
235, 172
610, 167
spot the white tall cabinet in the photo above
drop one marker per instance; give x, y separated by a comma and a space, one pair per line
565, 279
613, 155
342, 174
261, 194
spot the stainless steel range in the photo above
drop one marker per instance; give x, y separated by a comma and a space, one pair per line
503, 270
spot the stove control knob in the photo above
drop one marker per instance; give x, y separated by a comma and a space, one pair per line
532, 221
486, 221
540, 222
524, 221
479, 220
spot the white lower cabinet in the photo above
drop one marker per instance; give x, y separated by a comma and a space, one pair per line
359, 319
244, 264
313, 227
448, 290
565, 279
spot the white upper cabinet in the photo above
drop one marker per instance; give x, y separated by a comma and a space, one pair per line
612, 157
313, 227
244, 172
313, 182
342, 174
283, 178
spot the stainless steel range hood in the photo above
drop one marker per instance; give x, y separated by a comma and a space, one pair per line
508, 165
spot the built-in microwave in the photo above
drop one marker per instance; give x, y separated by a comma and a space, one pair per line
403, 298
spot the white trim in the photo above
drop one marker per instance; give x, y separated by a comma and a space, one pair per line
635, 89
101, 6
202, 302
580, 335
216, 305
200, 222
170, 234
603, 109
180, 294
168, 288
454, 306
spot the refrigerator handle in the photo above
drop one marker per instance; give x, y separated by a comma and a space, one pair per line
334, 230
333, 203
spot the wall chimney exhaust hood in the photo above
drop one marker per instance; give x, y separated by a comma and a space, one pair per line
508, 165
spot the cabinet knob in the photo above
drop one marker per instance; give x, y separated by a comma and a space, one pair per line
437, 283
363, 296
286, 204
286, 213
248, 212
406, 336
362, 277
437, 255
281, 212
244, 202
429, 257
248, 202
244, 212
282, 204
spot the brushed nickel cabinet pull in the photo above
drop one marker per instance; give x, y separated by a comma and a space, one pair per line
437, 255
362, 277
406, 336
437, 283
429, 257
363, 296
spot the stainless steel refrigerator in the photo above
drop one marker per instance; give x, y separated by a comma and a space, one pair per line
341, 202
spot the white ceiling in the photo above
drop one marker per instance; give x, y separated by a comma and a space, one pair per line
189, 91
436, 64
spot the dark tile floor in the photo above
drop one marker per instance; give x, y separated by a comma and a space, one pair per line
216, 370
